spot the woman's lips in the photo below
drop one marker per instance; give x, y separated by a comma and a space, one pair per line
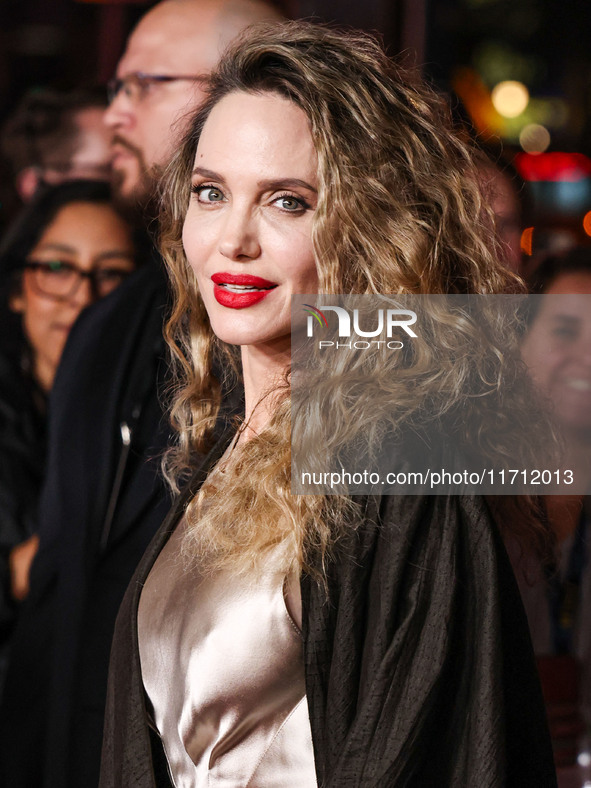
238, 291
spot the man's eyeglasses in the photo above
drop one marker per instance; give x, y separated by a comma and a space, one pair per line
137, 85
60, 280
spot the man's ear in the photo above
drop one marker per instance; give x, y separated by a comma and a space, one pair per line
16, 303
27, 183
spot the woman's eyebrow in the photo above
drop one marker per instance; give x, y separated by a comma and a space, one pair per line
286, 183
57, 247
205, 173
113, 254
565, 318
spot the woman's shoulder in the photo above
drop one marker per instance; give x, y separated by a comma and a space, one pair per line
406, 542
396, 518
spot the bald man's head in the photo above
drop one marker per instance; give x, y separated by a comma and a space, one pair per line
181, 40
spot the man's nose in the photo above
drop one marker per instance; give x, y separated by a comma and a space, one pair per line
119, 112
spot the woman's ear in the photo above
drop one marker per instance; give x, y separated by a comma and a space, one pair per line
16, 298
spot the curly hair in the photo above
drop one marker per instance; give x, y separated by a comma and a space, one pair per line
400, 210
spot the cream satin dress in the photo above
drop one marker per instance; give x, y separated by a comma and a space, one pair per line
222, 667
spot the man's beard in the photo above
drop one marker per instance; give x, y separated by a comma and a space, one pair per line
141, 203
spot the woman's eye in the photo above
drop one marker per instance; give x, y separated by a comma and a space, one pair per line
54, 268
208, 194
562, 332
291, 204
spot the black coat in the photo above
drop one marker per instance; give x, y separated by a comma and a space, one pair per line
419, 668
22, 464
94, 528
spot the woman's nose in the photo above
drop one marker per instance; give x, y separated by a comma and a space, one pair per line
85, 293
239, 238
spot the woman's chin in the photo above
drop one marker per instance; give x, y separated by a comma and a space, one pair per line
270, 346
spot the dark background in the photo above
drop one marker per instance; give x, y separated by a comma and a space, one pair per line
464, 46
544, 43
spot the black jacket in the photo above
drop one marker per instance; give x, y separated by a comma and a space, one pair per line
22, 464
102, 503
419, 668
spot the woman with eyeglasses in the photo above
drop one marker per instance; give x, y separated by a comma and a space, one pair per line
68, 248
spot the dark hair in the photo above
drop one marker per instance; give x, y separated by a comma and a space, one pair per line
43, 125
575, 261
31, 223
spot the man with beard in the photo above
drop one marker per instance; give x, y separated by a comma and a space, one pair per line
103, 498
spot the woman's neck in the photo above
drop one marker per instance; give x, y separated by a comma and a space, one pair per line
44, 373
263, 371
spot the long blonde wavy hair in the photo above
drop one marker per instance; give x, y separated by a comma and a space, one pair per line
400, 210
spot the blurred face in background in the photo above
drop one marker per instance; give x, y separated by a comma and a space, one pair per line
146, 117
557, 350
86, 156
91, 157
82, 238
161, 79
504, 201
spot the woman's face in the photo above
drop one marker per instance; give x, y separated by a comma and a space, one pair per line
89, 237
248, 229
557, 349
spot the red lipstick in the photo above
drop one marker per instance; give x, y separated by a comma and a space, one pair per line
238, 291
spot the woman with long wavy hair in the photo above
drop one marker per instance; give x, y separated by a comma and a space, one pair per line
273, 639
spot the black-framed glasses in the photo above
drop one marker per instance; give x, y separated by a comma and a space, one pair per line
136, 86
60, 280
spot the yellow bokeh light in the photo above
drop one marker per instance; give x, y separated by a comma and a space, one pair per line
510, 98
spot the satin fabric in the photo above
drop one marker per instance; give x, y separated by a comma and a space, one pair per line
222, 664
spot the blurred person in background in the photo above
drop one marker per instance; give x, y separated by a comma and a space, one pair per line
103, 499
557, 351
53, 136
510, 201
68, 248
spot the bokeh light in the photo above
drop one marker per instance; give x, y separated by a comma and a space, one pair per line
527, 241
510, 98
534, 138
